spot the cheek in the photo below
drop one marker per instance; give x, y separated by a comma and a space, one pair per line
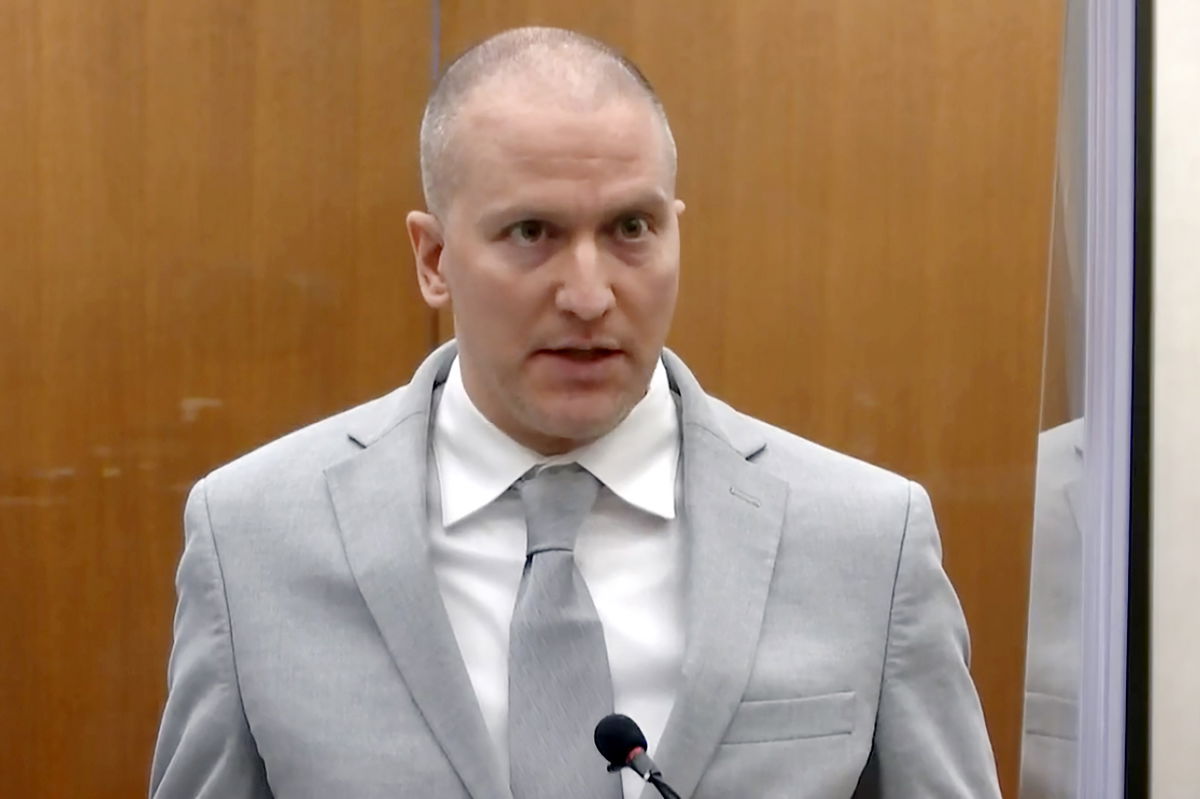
651, 299
475, 281
493, 303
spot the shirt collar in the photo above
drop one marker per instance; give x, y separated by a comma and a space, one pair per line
638, 460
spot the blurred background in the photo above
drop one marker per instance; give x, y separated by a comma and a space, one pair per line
202, 247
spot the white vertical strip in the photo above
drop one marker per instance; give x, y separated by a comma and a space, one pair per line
1175, 468
1109, 256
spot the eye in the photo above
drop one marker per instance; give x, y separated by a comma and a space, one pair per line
527, 232
632, 228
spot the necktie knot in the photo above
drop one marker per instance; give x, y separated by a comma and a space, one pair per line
556, 501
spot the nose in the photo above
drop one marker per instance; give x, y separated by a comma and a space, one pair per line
585, 290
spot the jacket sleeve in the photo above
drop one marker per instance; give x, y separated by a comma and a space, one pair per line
930, 738
205, 749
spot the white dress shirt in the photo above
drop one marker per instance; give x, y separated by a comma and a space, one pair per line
629, 551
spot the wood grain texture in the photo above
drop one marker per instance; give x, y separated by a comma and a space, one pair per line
202, 247
869, 190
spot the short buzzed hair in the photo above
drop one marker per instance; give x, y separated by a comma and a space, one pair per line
585, 66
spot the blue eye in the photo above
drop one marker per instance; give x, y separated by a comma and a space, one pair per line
528, 231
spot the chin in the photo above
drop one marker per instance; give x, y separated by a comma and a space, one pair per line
579, 430
581, 425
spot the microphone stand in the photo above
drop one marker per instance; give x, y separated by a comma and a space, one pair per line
664, 790
645, 768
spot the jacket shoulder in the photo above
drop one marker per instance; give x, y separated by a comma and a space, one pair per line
305, 453
794, 458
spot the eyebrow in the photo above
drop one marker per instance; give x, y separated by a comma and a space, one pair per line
654, 199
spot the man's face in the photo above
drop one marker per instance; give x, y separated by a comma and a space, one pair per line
559, 254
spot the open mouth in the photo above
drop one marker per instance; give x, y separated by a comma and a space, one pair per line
581, 364
583, 355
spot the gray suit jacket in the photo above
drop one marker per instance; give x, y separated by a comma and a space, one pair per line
825, 651
1049, 748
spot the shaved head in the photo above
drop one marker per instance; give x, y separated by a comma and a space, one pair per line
539, 65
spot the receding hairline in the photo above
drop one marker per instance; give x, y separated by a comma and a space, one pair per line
573, 67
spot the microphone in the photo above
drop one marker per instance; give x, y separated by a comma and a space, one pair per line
623, 745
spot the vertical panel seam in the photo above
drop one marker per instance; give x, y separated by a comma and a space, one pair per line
435, 44
435, 62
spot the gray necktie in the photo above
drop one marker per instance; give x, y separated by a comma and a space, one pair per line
559, 684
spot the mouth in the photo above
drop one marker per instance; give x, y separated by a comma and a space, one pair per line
582, 354
581, 365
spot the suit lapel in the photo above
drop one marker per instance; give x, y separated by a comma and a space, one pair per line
379, 498
733, 519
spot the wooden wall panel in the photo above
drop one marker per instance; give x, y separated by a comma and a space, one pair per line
201, 247
869, 188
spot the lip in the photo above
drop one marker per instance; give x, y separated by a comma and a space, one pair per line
582, 343
580, 364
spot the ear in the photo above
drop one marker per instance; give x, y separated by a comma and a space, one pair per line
428, 243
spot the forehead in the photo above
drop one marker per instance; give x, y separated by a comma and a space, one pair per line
510, 143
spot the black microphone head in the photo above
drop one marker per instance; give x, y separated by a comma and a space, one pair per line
616, 737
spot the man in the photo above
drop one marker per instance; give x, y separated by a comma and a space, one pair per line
440, 592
